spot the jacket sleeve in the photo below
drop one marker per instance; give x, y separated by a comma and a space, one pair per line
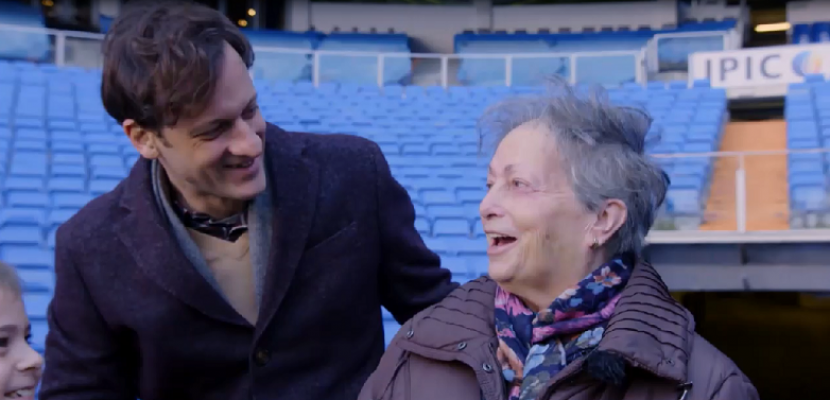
411, 277
82, 357
380, 384
736, 386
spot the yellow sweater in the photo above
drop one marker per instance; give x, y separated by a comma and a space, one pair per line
231, 265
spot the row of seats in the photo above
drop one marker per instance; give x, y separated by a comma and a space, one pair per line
540, 55
287, 56
23, 45
293, 61
59, 149
817, 32
807, 112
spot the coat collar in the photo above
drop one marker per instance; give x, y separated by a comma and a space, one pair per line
648, 328
293, 182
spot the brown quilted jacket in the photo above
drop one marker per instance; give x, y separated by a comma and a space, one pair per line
447, 352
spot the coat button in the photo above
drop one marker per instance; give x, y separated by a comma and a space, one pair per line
461, 346
486, 367
262, 357
410, 333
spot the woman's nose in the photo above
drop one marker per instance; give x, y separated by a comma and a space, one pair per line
489, 207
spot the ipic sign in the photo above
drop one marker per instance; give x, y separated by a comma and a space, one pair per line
779, 65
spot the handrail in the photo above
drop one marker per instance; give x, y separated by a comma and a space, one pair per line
643, 59
743, 153
640, 58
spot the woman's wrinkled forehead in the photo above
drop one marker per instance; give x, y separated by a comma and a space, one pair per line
529, 148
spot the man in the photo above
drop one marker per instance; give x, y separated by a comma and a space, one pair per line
237, 261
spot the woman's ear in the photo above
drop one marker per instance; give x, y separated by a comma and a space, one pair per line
610, 219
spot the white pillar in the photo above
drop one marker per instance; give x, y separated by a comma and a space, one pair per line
297, 15
108, 8
259, 9
484, 14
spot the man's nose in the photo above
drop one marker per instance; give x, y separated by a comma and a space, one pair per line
246, 141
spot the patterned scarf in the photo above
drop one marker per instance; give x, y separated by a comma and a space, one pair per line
533, 348
229, 229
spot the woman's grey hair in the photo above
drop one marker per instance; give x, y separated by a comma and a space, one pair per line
601, 145
9, 280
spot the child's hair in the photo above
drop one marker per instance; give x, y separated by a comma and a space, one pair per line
9, 280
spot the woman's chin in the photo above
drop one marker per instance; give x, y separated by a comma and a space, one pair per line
501, 273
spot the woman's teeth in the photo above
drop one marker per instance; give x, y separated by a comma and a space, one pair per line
501, 239
241, 165
29, 392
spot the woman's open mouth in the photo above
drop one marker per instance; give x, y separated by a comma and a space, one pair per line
25, 393
499, 243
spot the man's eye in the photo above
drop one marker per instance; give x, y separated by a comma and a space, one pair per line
250, 113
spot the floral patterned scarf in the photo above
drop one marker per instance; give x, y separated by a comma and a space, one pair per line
533, 348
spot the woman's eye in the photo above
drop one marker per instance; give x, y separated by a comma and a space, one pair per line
4, 342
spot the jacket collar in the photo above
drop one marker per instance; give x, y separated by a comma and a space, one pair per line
648, 328
293, 182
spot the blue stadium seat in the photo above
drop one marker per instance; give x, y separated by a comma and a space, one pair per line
808, 126
57, 157
17, 45
546, 54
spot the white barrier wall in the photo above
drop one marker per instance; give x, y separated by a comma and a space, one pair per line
807, 12
760, 72
576, 17
435, 26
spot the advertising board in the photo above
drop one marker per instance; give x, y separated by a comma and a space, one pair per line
760, 72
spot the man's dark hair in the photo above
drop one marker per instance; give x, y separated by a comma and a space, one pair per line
162, 61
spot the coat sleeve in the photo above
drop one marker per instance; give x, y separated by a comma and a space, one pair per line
83, 361
411, 277
736, 386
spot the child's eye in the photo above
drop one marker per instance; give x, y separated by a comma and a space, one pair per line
4, 342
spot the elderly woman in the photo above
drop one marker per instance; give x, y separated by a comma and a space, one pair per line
569, 310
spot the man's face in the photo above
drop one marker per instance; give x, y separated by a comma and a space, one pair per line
218, 155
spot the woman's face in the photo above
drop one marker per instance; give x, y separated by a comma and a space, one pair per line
535, 226
20, 365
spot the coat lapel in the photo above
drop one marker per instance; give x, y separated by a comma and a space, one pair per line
294, 183
148, 237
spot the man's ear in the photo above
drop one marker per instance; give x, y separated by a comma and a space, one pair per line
146, 142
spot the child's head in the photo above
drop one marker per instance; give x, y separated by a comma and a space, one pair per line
20, 365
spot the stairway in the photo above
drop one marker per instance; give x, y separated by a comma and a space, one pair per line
767, 193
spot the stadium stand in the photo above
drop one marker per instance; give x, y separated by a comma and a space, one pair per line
808, 127
604, 58
349, 58
23, 45
818, 32
61, 149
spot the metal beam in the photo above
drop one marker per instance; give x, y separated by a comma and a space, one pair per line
758, 266
714, 278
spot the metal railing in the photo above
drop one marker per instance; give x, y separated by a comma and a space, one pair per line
730, 40
82, 49
746, 194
